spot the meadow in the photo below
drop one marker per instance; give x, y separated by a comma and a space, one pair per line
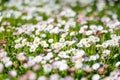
59, 40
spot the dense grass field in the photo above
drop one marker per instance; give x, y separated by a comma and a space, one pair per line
59, 40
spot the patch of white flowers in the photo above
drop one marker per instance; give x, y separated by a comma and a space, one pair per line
62, 44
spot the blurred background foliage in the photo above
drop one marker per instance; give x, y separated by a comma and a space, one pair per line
107, 1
